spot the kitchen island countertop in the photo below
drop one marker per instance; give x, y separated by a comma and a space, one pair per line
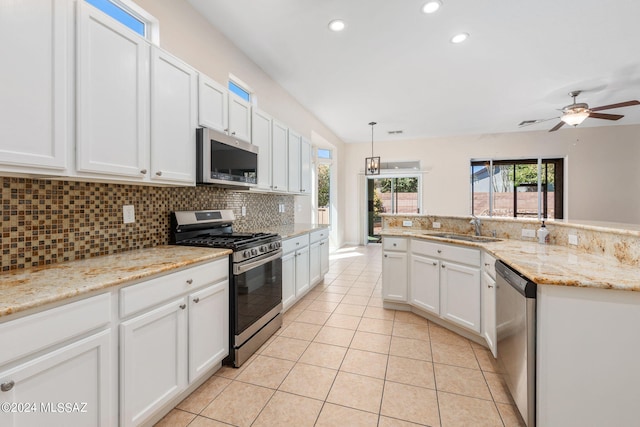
548, 264
34, 287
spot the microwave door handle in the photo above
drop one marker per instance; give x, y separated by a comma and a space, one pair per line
243, 268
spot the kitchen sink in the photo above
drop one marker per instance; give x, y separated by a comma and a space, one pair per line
465, 237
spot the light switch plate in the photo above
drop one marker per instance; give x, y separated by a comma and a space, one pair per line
528, 233
436, 224
407, 223
128, 214
243, 211
573, 239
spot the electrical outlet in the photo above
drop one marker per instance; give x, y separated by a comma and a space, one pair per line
407, 223
243, 211
435, 225
528, 233
128, 214
573, 239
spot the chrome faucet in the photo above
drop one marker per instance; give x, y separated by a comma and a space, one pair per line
475, 221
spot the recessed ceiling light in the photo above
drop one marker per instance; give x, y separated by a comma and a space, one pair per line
431, 6
459, 38
337, 25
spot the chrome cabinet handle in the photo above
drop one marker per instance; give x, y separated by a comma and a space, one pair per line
386, 256
196, 300
395, 244
439, 251
189, 281
489, 286
226, 130
233, 133
435, 263
183, 306
7, 386
159, 173
487, 264
443, 266
143, 171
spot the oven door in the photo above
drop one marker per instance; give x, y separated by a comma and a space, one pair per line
257, 290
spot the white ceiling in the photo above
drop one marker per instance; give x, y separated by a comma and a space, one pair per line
395, 65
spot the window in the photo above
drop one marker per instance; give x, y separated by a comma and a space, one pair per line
323, 153
529, 188
238, 90
130, 15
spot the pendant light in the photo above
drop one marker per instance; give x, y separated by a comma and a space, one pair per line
372, 164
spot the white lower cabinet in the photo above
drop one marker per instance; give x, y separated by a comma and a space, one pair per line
324, 257
489, 312
318, 255
78, 374
305, 261
460, 294
425, 283
394, 269
314, 263
165, 348
288, 280
153, 361
302, 271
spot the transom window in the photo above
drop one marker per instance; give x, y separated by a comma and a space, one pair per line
529, 188
239, 90
131, 15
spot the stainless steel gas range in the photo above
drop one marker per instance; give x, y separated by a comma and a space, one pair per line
255, 266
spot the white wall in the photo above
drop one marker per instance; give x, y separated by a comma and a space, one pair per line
603, 182
190, 37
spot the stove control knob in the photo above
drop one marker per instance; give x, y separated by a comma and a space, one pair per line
246, 253
254, 252
262, 249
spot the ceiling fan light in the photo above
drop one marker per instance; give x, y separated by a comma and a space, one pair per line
575, 118
337, 25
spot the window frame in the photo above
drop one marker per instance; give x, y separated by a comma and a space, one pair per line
150, 22
559, 165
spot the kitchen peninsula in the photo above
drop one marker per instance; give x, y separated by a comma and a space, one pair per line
587, 313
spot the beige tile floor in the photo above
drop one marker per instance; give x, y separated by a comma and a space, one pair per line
340, 359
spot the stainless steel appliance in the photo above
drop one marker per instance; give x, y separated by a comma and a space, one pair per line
224, 160
255, 271
516, 337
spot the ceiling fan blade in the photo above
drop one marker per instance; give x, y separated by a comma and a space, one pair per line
618, 105
606, 116
533, 122
556, 127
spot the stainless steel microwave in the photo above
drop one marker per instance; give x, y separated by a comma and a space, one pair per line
224, 160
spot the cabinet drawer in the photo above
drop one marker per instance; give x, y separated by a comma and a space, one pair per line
489, 264
294, 243
29, 334
394, 244
318, 235
447, 252
143, 295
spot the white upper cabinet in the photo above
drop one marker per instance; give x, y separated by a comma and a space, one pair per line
294, 162
261, 137
280, 158
213, 104
239, 118
305, 166
113, 97
223, 111
36, 101
173, 119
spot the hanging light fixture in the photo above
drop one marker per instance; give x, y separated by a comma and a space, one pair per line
372, 164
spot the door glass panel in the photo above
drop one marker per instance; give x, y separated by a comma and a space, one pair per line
394, 195
324, 186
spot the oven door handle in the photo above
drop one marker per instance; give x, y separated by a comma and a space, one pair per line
243, 268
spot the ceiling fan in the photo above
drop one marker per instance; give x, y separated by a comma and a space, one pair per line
576, 113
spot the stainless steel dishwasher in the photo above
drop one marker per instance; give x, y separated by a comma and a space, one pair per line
516, 337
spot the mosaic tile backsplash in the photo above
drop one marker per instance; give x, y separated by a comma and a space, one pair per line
45, 222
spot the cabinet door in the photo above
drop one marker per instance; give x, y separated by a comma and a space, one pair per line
77, 373
261, 136
35, 104
489, 312
324, 257
113, 97
173, 119
460, 294
239, 118
394, 276
288, 280
153, 361
425, 283
302, 271
213, 104
293, 182
208, 328
280, 158
305, 166
314, 263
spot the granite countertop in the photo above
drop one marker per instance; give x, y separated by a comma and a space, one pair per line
34, 287
293, 230
549, 264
